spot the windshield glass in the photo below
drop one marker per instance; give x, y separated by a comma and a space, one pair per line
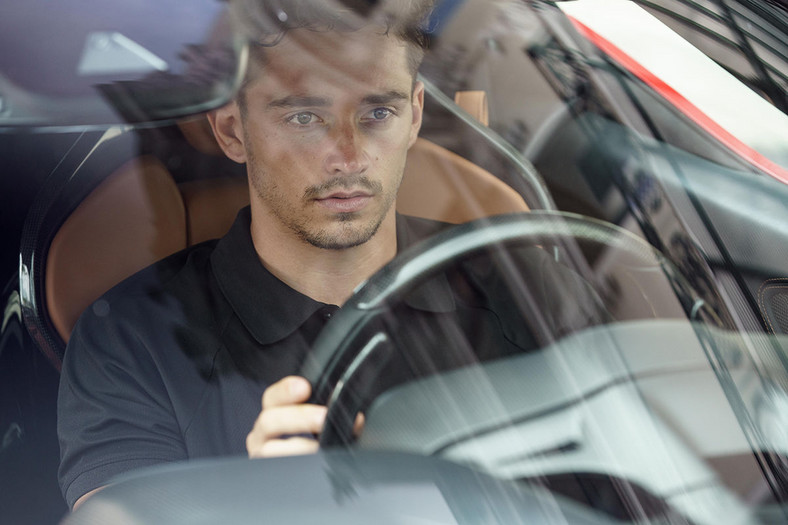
551, 251
631, 399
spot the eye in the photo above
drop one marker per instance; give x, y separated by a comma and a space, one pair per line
378, 115
381, 113
303, 119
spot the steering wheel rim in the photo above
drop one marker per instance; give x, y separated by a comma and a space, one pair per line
336, 356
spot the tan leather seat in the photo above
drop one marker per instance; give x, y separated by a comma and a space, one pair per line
139, 215
133, 218
441, 185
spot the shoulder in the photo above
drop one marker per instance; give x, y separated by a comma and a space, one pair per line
185, 276
412, 229
178, 291
166, 275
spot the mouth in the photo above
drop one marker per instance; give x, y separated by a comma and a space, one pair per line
345, 201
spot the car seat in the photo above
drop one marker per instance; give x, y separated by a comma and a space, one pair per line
92, 231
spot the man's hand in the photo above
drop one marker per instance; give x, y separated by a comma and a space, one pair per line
285, 414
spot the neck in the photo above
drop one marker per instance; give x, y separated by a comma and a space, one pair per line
328, 276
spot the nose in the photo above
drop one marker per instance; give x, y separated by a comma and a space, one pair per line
346, 150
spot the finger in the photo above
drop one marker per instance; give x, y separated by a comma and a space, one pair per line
285, 447
296, 419
287, 391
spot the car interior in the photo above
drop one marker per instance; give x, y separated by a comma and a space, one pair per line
98, 228
122, 198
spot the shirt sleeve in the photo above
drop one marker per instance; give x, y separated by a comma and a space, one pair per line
114, 412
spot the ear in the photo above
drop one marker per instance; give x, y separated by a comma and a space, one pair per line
228, 129
417, 106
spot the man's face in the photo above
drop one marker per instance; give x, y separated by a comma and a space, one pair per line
327, 124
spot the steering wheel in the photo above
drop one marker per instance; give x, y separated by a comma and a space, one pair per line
344, 349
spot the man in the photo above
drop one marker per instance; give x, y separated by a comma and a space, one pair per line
173, 363
323, 122
324, 130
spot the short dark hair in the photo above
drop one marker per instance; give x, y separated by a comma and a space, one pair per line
265, 23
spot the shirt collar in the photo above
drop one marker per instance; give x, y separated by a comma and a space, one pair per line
272, 310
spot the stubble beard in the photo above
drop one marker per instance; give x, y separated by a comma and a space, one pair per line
351, 231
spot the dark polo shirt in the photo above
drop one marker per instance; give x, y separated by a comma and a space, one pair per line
172, 363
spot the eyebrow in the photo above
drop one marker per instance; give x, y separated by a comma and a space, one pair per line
297, 101
386, 98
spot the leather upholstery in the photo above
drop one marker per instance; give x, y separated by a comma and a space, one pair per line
441, 185
212, 206
475, 103
133, 218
